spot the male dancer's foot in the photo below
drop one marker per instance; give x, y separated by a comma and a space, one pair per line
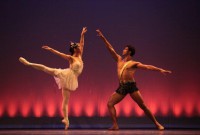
159, 126
114, 127
66, 122
24, 61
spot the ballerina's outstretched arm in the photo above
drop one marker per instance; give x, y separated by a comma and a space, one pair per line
63, 55
84, 30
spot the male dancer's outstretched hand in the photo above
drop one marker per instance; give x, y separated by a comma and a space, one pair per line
99, 33
165, 71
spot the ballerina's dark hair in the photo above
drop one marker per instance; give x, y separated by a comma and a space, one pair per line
72, 46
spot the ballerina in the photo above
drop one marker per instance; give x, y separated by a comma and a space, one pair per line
67, 79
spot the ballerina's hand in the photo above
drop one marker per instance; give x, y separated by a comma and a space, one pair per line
46, 47
84, 30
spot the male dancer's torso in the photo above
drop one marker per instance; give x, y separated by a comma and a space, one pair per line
128, 73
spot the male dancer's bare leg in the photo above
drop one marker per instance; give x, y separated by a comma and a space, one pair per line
66, 96
114, 99
136, 96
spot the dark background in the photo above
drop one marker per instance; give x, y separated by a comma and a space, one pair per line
165, 34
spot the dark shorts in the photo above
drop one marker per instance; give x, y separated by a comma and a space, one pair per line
125, 88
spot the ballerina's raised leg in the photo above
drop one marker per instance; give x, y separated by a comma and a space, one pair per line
65, 92
40, 67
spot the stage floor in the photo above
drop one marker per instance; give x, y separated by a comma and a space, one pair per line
99, 132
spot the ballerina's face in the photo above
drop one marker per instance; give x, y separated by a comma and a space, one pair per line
75, 46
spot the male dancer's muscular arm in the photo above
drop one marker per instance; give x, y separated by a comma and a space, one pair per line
109, 46
151, 67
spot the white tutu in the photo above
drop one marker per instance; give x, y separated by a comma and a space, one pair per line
66, 78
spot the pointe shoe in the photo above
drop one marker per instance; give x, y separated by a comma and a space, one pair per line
66, 122
24, 61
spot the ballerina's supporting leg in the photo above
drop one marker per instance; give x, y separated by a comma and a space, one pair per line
66, 96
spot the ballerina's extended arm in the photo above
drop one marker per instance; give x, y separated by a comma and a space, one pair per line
65, 56
84, 30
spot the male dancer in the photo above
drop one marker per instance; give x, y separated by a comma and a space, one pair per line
126, 68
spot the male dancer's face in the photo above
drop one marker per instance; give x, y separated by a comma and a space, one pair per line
125, 51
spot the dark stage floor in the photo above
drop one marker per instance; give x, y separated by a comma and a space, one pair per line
99, 132
97, 123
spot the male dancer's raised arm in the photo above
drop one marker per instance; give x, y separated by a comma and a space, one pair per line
116, 56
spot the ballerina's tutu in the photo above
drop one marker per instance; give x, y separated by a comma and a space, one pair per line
68, 78
65, 78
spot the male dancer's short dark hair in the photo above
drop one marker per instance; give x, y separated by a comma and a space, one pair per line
131, 49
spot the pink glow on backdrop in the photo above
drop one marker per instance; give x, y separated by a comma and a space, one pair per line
49, 104
177, 109
198, 108
139, 111
49, 101
51, 108
154, 107
127, 109
25, 108
38, 109
89, 109
1, 109
102, 109
77, 108
189, 108
164, 107
12, 109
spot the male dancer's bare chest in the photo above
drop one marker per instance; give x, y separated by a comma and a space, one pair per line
123, 68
